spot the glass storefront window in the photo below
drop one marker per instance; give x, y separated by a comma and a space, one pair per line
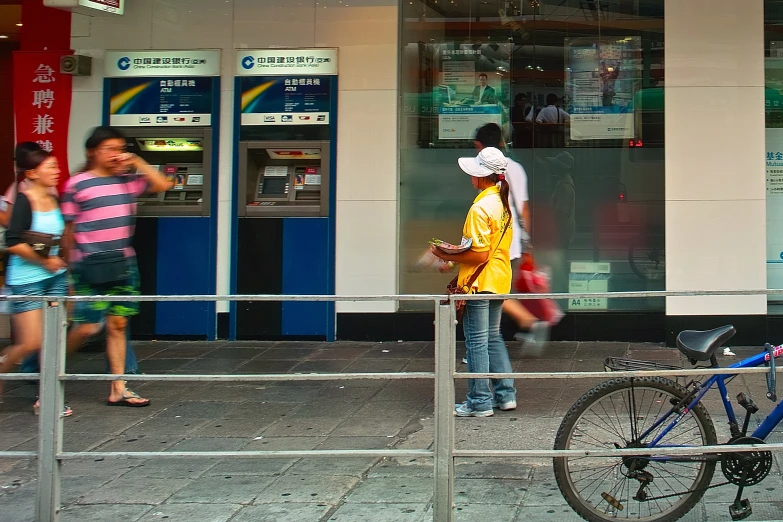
577, 88
773, 100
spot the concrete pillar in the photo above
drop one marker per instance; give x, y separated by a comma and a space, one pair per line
715, 170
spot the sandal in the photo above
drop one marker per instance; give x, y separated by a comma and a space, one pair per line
67, 411
127, 396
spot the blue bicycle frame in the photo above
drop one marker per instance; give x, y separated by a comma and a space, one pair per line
766, 427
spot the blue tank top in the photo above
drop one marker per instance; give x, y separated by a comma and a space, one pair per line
23, 272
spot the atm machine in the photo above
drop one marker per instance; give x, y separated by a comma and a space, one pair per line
167, 105
285, 192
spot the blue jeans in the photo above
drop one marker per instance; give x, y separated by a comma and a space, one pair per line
486, 353
32, 364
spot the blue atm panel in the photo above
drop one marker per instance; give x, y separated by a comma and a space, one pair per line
306, 272
184, 257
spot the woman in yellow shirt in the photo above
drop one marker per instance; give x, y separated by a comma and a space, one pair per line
488, 225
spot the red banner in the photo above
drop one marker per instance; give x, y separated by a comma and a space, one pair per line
42, 103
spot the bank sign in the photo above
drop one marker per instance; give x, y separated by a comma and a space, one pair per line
87, 7
110, 6
197, 62
286, 62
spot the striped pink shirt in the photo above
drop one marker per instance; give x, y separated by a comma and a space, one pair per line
103, 211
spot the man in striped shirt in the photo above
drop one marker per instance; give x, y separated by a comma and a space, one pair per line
99, 207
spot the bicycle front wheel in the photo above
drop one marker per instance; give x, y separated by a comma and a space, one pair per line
617, 414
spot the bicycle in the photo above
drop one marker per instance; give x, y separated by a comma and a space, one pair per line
655, 412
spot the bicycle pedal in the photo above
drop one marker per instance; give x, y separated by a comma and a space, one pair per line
747, 403
740, 510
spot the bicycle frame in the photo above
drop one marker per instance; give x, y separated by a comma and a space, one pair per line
766, 427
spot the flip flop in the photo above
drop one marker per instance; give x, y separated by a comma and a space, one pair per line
128, 394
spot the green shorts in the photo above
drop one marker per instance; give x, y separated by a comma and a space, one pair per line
95, 311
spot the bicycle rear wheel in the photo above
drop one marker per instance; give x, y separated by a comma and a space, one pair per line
613, 415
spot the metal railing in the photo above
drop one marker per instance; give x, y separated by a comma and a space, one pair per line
50, 452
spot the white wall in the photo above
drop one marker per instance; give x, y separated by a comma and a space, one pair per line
365, 33
715, 170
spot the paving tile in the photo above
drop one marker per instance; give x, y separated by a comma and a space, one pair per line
472, 512
166, 425
76, 488
297, 488
493, 469
546, 513
231, 352
360, 426
321, 366
290, 353
332, 466
223, 489
377, 365
345, 353
210, 366
140, 443
313, 426
393, 489
391, 468
482, 491
327, 408
262, 411
334, 442
182, 352
237, 466
159, 365
20, 502
210, 444
282, 513
132, 491
193, 410
247, 428
393, 351
98, 423
396, 512
191, 513
118, 512
284, 443
264, 365
189, 468
389, 409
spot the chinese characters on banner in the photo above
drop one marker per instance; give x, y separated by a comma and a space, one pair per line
42, 103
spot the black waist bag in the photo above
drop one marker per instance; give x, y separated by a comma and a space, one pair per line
105, 268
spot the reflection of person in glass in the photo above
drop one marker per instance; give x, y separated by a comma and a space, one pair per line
483, 94
609, 75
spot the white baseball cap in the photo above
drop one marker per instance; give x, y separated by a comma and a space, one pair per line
489, 161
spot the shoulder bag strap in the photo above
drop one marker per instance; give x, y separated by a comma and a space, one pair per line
477, 273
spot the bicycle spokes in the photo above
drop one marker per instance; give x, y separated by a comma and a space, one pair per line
636, 487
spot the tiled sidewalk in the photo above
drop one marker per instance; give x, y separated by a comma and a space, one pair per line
344, 414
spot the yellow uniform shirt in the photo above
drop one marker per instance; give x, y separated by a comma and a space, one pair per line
484, 225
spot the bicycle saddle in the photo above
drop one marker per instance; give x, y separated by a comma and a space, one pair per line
701, 346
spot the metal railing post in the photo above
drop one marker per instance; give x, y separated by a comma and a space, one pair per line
443, 501
51, 394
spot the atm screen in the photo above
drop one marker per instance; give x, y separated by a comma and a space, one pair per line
275, 186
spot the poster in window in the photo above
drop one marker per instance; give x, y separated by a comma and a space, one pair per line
602, 78
472, 88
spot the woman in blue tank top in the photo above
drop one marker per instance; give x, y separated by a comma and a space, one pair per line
32, 270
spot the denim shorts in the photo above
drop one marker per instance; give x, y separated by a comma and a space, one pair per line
94, 312
56, 285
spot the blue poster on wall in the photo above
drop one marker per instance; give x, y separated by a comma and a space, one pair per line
285, 100
161, 101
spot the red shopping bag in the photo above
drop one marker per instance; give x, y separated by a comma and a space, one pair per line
533, 280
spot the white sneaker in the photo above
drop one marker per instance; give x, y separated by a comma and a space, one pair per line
463, 410
464, 360
505, 406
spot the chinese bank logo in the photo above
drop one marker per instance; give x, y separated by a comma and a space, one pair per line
124, 63
248, 62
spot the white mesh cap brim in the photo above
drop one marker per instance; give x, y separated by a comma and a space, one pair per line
471, 166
